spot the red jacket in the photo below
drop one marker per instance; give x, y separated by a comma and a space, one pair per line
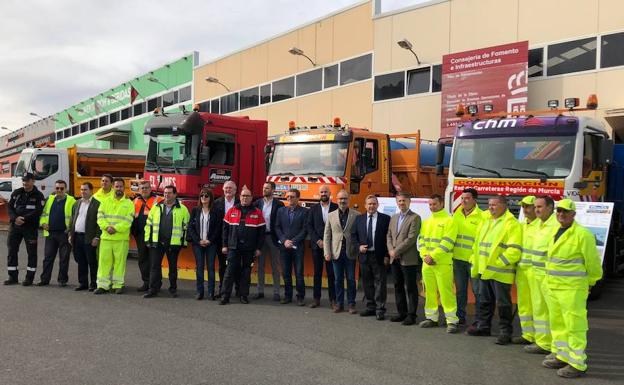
246, 237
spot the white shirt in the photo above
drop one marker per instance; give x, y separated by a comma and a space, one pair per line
81, 219
229, 204
204, 224
325, 211
368, 219
266, 213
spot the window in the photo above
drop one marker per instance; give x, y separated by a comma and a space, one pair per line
220, 148
331, 76
59, 135
113, 118
45, 165
84, 127
612, 50
390, 86
249, 98
126, 113
229, 103
75, 130
184, 94
265, 94
103, 120
138, 109
370, 156
214, 106
309, 82
67, 133
204, 107
93, 124
536, 62
591, 154
356, 69
572, 56
153, 103
283, 89
169, 99
418, 81
436, 78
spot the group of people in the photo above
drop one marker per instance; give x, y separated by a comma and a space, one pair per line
550, 257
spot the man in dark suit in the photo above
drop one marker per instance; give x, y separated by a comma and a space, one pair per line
84, 236
316, 228
369, 236
269, 207
290, 229
222, 205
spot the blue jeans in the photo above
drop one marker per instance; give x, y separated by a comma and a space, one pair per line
461, 271
293, 258
205, 258
344, 266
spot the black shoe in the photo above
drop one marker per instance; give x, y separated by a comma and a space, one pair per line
173, 293
99, 291
473, 330
81, 288
409, 320
27, 283
503, 339
10, 281
244, 299
62, 284
300, 302
276, 297
212, 297
224, 301
144, 287
398, 318
41, 283
367, 313
199, 296
92, 288
258, 296
150, 294
120, 290
380, 317
284, 301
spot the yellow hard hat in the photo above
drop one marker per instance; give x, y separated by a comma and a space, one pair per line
566, 204
528, 200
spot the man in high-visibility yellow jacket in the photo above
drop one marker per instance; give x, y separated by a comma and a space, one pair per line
572, 268
525, 310
115, 217
106, 191
435, 243
55, 222
468, 219
535, 249
496, 253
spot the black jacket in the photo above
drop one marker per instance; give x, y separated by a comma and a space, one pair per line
358, 236
28, 205
316, 226
274, 207
214, 227
92, 230
219, 206
247, 237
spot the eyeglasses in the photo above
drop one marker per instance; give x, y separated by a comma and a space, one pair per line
205, 196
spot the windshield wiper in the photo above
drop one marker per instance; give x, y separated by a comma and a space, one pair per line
483, 169
313, 173
528, 171
284, 173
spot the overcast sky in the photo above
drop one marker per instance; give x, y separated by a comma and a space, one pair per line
56, 53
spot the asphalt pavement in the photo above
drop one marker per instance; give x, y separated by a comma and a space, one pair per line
54, 335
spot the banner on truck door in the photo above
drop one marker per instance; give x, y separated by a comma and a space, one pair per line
553, 188
493, 75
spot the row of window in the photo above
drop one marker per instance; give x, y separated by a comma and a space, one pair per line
343, 73
168, 99
577, 55
411, 82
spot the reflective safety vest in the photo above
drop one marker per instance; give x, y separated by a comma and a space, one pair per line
145, 204
101, 196
437, 237
573, 260
467, 230
45, 215
181, 219
118, 213
535, 248
529, 232
498, 249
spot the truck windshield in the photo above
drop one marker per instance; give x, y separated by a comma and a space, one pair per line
325, 158
23, 163
514, 157
168, 151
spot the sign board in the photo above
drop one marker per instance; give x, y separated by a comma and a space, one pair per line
493, 75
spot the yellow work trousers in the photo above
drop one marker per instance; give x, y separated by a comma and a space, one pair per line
525, 309
113, 255
439, 278
539, 293
567, 310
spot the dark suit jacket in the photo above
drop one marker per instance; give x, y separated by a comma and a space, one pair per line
316, 225
274, 207
214, 227
219, 205
381, 230
295, 231
92, 230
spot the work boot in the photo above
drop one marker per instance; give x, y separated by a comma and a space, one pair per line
535, 349
452, 328
11, 281
503, 339
520, 340
27, 282
99, 291
570, 372
120, 290
367, 313
143, 288
428, 324
553, 363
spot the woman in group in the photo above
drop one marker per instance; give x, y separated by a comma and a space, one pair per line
204, 234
